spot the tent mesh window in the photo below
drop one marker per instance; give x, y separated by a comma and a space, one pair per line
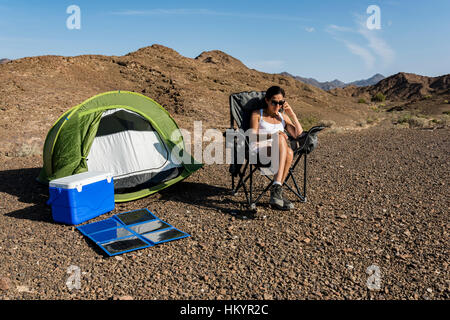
128, 146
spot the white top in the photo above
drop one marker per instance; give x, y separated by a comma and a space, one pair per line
267, 127
80, 180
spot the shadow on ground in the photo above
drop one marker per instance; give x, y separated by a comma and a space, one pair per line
208, 197
22, 184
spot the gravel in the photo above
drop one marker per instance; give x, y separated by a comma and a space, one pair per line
377, 200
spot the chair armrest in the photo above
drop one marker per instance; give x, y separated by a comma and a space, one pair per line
307, 141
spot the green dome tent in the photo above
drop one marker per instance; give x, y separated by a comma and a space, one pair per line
124, 133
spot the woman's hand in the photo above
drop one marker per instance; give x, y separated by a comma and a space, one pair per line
284, 135
294, 126
287, 108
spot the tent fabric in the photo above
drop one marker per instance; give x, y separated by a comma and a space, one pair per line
139, 119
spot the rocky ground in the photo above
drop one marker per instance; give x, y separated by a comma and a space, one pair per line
376, 197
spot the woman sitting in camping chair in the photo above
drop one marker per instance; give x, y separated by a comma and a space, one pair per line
268, 123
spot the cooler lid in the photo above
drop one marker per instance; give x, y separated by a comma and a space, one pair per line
80, 179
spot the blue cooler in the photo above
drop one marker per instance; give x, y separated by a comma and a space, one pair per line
78, 198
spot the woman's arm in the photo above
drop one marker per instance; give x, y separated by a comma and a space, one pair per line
254, 126
254, 122
293, 126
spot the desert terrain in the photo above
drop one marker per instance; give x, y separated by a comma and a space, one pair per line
377, 189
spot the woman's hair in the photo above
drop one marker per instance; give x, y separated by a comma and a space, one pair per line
272, 91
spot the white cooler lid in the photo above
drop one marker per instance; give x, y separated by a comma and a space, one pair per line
80, 179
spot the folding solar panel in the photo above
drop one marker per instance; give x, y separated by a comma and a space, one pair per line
130, 231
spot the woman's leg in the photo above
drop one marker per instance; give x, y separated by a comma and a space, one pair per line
287, 205
264, 155
287, 164
283, 150
276, 197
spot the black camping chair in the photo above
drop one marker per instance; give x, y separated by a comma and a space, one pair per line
241, 107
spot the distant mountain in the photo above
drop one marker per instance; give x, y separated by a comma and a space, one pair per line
401, 87
329, 85
368, 82
4, 61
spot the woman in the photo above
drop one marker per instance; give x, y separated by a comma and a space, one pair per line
269, 123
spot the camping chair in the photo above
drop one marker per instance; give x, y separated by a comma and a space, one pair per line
241, 107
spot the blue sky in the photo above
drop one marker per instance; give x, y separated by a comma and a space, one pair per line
320, 39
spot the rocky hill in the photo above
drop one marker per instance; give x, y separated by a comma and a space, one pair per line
35, 91
406, 92
4, 61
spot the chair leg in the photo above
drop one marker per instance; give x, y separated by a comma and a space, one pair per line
241, 178
290, 175
298, 193
249, 193
242, 183
264, 191
304, 179
245, 192
232, 182
251, 185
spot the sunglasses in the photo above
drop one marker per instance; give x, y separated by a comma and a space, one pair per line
275, 103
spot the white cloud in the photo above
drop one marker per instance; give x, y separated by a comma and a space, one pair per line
377, 44
365, 54
375, 49
309, 29
333, 27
